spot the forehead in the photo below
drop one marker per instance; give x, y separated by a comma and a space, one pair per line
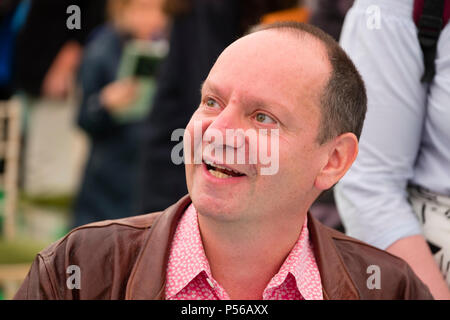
273, 64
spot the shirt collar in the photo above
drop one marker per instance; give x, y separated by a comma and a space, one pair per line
187, 260
301, 264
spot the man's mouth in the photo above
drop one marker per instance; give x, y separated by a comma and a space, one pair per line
221, 172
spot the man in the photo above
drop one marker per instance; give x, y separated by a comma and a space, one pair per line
244, 232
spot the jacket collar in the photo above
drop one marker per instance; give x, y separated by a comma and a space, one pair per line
147, 279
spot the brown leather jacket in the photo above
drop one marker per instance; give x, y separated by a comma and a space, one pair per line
126, 259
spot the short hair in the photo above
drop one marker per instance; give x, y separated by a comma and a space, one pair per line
343, 100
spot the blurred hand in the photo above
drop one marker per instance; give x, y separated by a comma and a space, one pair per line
61, 75
57, 83
119, 95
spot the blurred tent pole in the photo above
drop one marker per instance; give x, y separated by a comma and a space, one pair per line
10, 120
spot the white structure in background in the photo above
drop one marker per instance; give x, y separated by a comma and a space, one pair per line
55, 150
10, 120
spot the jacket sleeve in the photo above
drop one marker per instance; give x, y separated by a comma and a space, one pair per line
415, 288
37, 285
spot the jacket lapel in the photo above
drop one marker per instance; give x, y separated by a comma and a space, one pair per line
336, 281
147, 279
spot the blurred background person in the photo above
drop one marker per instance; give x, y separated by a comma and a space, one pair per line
201, 30
109, 185
48, 53
396, 196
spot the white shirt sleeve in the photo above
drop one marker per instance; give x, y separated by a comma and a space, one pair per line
372, 196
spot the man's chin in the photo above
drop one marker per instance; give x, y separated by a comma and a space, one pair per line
214, 207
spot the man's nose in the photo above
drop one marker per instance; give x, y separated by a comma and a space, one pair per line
229, 125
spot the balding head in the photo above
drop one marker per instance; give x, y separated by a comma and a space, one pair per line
343, 99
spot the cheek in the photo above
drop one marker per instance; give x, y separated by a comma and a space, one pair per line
192, 140
188, 159
192, 146
298, 169
188, 142
189, 150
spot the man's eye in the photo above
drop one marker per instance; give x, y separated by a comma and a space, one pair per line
264, 118
212, 103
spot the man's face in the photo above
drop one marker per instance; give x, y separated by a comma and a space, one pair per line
267, 80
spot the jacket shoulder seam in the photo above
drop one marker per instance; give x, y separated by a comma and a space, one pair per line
46, 265
360, 243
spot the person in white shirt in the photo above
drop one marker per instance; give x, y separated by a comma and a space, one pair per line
405, 142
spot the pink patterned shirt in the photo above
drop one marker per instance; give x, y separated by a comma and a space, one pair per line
189, 275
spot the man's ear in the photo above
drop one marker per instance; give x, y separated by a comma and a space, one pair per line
342, 153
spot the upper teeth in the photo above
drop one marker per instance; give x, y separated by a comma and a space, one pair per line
220, 167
